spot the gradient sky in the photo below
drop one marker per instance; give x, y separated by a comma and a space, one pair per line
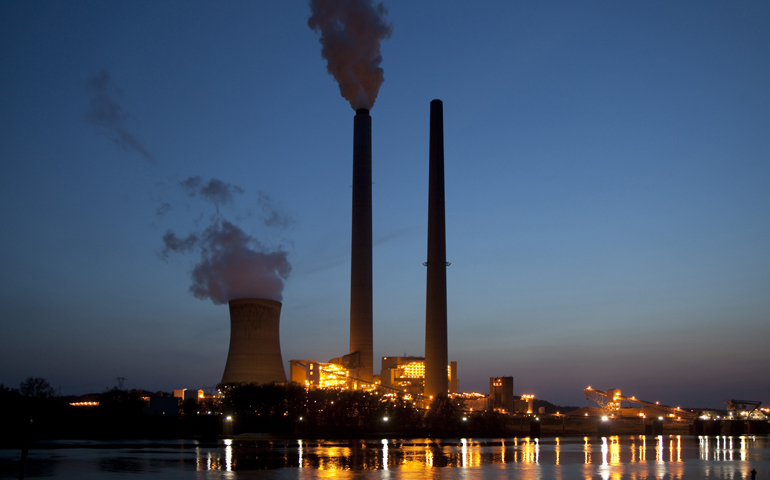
607, 189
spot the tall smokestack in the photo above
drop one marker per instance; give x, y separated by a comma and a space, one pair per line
436, 356
255, 347
361, 246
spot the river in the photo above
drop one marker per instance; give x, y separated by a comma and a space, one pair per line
619, 457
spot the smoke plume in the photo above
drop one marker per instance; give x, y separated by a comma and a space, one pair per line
232, 264
273, 216
107, 114
215, 191
351, 32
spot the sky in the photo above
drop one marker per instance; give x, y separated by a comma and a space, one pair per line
607, 190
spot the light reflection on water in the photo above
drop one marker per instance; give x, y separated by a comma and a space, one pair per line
608, 458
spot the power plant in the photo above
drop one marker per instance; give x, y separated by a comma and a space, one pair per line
255, 346
255, 352
429, 375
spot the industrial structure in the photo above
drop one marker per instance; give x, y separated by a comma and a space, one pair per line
312, 374
501, 393
436, 350
407, 374
429, 375
255, 352
255, 347
361, 249
610, 403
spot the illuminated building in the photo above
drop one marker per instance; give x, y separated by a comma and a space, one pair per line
501, 393
314, 374
407, 374
525, 405
184, 394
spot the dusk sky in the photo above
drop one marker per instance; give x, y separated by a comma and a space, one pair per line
607, 190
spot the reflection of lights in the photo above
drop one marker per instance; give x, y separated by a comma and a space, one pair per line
604, 451
587, 450
384, 454
229, 455
464, 450
300, 448
671, 450
659, 449
615, 450
743, 449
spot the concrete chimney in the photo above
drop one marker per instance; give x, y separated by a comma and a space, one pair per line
436, 355
255, 347
361, 247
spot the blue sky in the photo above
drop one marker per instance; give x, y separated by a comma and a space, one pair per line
607, 167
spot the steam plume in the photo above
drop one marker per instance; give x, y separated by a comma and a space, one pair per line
351, 31
104, 112
273, 216
216, 191
232, 263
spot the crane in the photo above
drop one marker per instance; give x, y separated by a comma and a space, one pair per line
742, 405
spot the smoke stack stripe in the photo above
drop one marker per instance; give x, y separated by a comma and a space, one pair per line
361, 246
255, 347
436, 355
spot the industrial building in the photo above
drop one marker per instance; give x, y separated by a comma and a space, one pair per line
407, 374
314, 374
501, 394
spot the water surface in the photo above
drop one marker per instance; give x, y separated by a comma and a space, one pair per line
614, 458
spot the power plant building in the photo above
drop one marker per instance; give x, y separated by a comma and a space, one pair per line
312, 374
501, 393
407, 374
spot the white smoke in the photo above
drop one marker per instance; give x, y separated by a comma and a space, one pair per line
351, 32
232, 263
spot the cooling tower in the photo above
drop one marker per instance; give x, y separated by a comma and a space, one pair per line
255, 347
361, 246
436, 356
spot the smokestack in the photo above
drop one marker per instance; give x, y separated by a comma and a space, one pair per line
361, 246
255, 348
436, 355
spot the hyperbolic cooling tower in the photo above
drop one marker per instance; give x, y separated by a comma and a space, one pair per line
436, 355
255, 348
361, 246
